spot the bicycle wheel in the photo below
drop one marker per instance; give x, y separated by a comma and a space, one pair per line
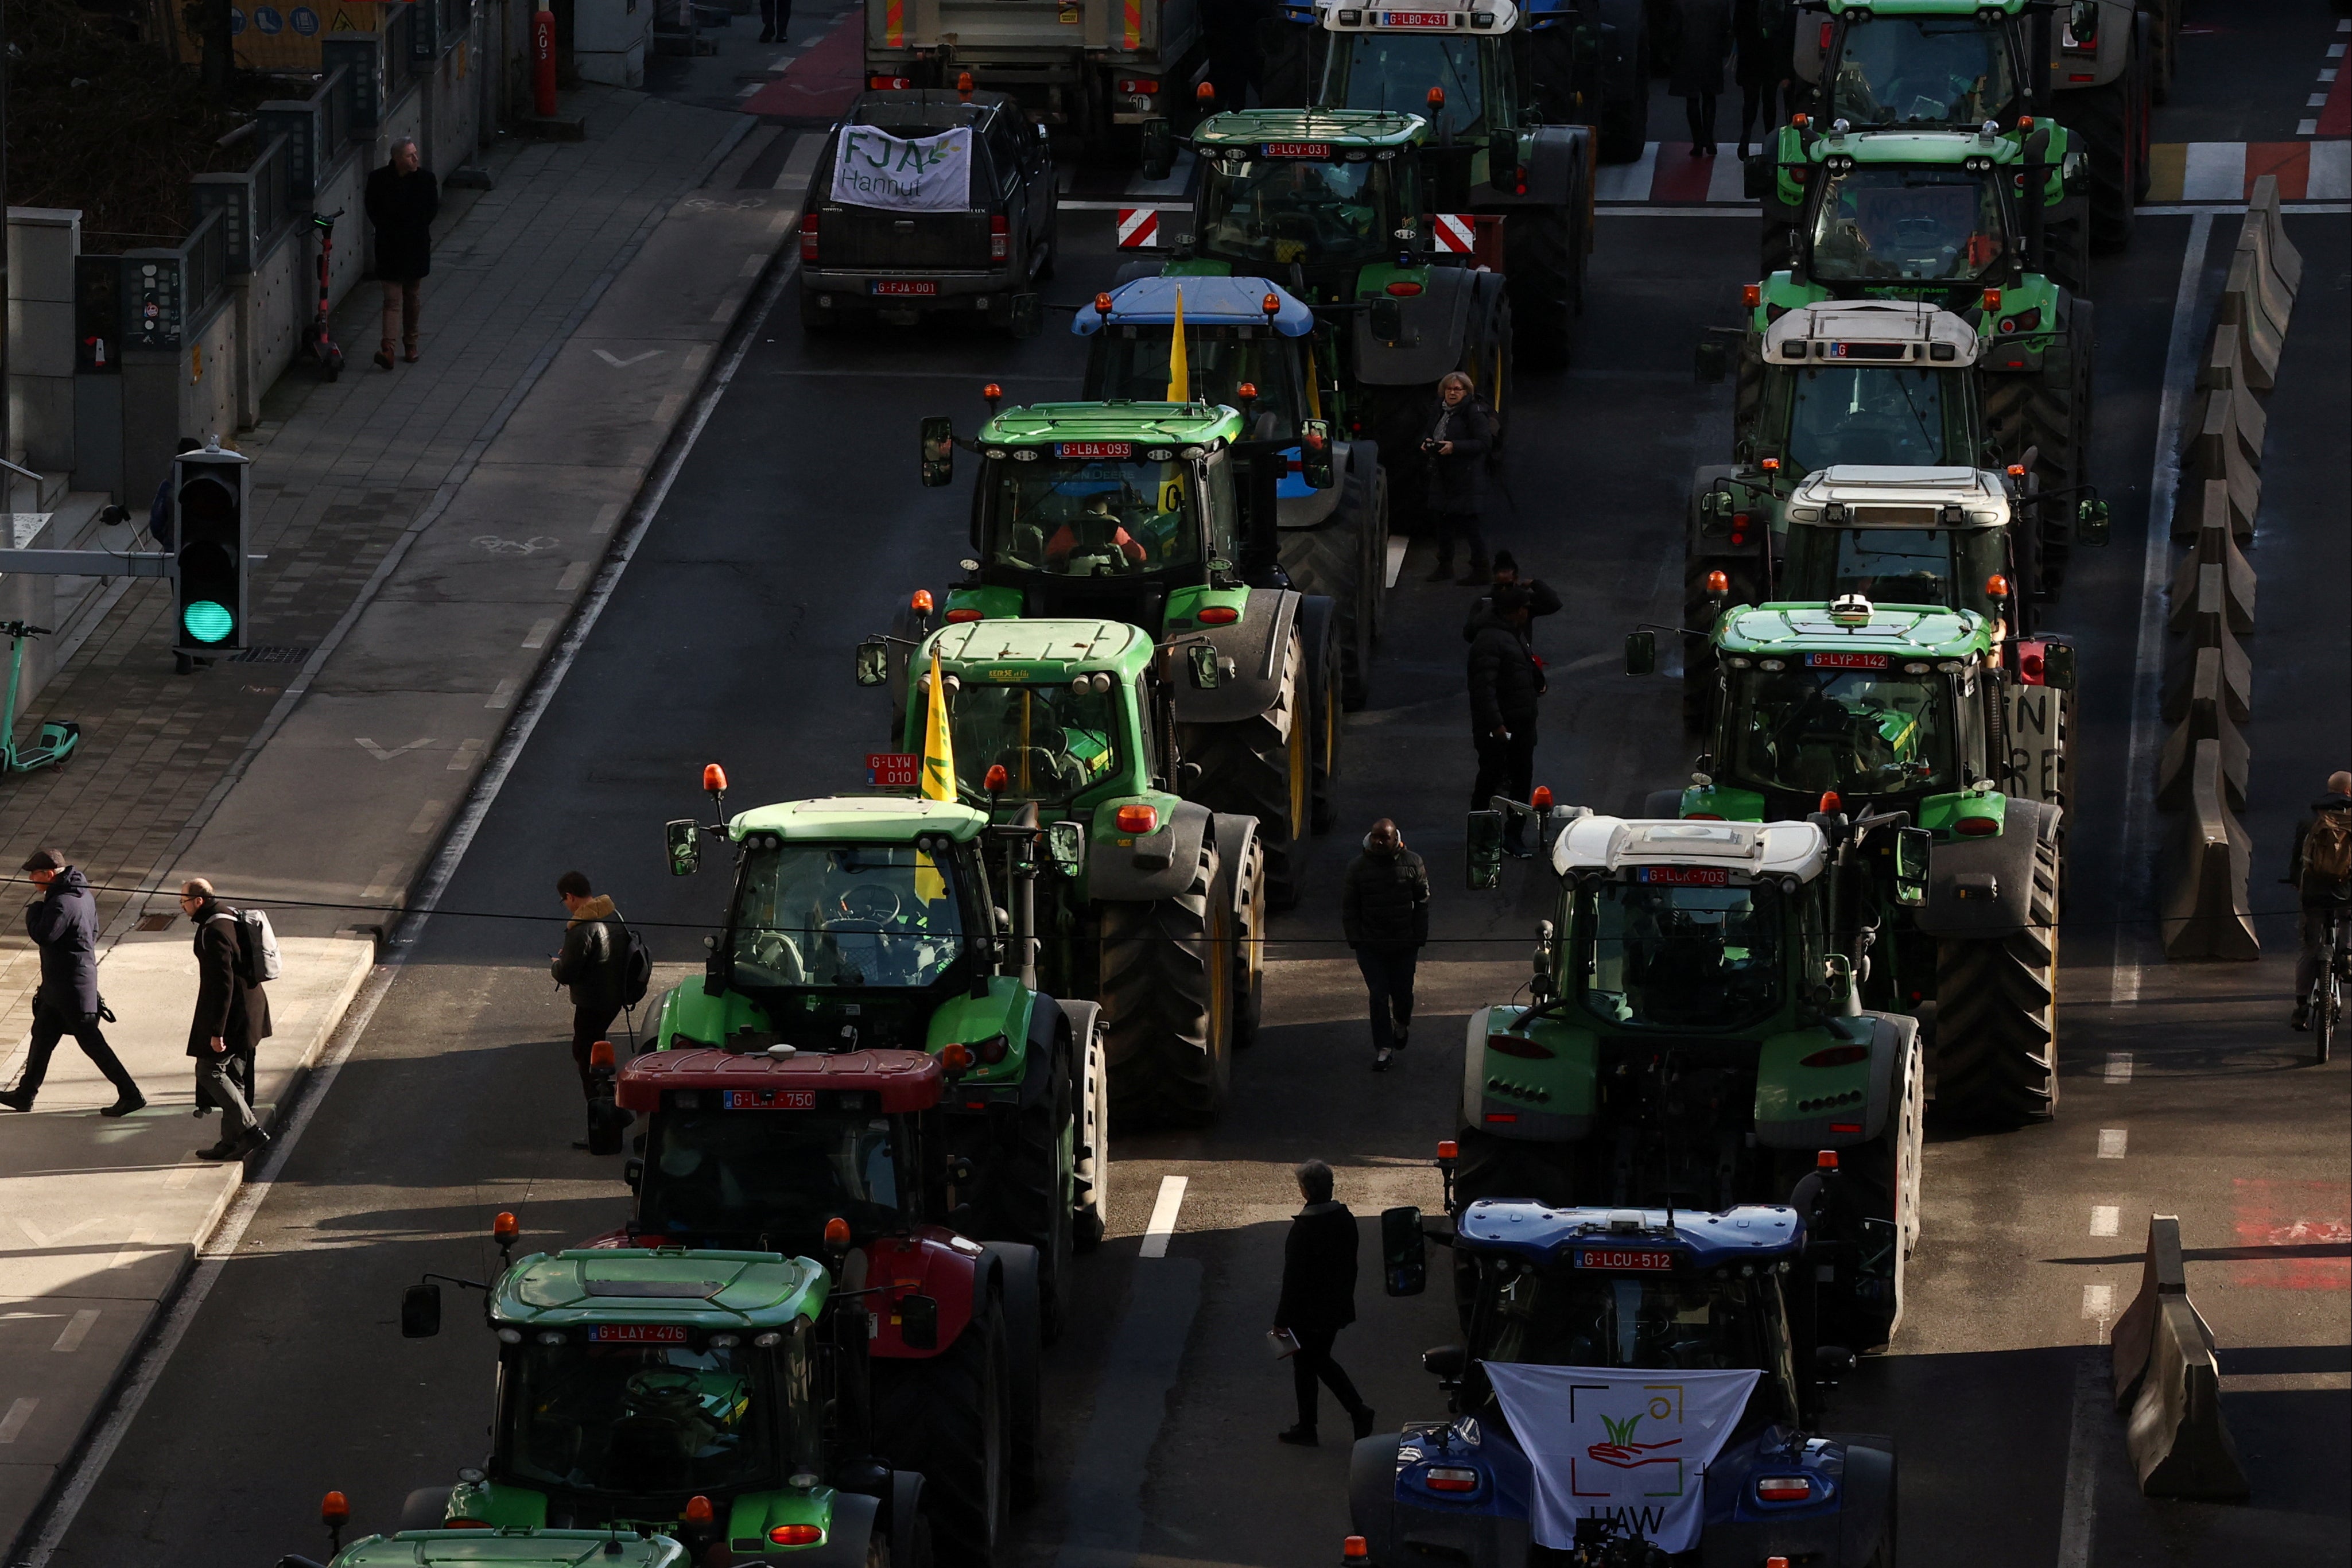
2327, 1006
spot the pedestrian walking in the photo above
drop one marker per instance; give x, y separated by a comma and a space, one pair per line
1318, 1299
2319, 864
63, 924
1541, 599
590, 964
1384, 913
401, 201
1698, 75
1505, 682
1764, 46
775, 17
232, 1020
1460, 432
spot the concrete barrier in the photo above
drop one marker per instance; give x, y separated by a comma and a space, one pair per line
2207, 720
2204, 914
2221, 368
2218, 450
2208, 632
2262, 236
2260, 334
2215, 545
2162, 1273
2167, 1378
2284, 258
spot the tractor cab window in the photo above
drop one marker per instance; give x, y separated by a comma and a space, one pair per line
1282, 210
1922, 70
1224, 507
1975, 692
1860, 731
1887, 224
635, 1417
1678, 953
1053, 742
1875, 415
1885, 565
1396, 70
851, 916
1132, 361
1119, 516
1561, 1315
712, 1172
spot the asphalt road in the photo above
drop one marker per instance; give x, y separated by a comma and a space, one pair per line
795, 522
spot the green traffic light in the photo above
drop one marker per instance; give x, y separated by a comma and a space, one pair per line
206, 621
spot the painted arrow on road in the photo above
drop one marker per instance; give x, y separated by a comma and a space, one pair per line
617, 362
384, 755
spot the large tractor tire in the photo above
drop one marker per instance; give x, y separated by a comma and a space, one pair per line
1883, 1178
949, 1417
1030, 1188
1996, 1014
1247, 890
1546, 285
1090, 1159
2049, 415
1343, 558
1624, 128
1167, 1001
1263, 766
2111, 121
426, 1507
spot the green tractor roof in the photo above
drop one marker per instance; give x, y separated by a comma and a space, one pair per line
1921, 7
1032, 651
1913, 631
859, 819
1348, 127
1171, 423
1945, 149
632, 1292
513, 1549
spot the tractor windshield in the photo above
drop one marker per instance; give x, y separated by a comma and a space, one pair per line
1871, 414
1282, 210
1132, 362
1053, 742
1907, 224
1396, 70
637, 1409
1119, 515
1679, 947
719, 1175
854, 915
1922, 70
1562, 1315
1793, 725
1898, 566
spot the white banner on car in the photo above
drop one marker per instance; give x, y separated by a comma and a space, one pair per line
928, 174
1633, 1446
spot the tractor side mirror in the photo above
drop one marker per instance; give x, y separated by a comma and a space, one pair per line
1710, 363
1404, 1251
420, 1311
2058, 666
1315, 453
874, 662
684, 840
1387, 319
1483, 870
1915, 849
1025, 315
939, 450
1830, 1364
2090, 522
1065, 847
1446, 1363
919, 1323
1545, 934
1159, 150
1640, 653
1837, 982
2083, 21
1202, 668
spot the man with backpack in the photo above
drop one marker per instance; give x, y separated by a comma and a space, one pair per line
602, 961
235, 955
2319, 864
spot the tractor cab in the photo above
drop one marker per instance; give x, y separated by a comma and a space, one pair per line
1239, 332
1926, 536
1884, 382
1312, 197
1940, 65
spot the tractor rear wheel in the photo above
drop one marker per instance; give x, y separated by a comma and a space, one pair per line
1546, 280
2049, 415
1331, 558
1248, 892
1262, 766
1090, 1161
1996, 1013
1625, 125
2105, 116
1167, 1001
949, 1417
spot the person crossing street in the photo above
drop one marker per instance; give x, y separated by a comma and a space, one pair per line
1384, 913
1318, 1299
590, 964
63, 923
232, 1019
2319, 865
1506, 683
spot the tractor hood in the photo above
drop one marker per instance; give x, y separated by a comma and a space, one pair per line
512, 1548
1169, 425
1034, 651
1809, 631
1856, 495
1242, 132
651, 1295
1748, 850
1689, 1239
858, 819
1871, 332
1208, 302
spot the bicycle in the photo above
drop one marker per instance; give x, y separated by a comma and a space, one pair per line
318, 342
2326, 998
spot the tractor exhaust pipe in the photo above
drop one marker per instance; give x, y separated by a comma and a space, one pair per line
1024, 897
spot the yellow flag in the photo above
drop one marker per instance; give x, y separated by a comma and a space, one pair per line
1180, 367
939, 747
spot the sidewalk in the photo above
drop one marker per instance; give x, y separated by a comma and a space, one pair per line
430, 532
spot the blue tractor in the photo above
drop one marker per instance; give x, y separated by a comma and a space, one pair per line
1658, 1293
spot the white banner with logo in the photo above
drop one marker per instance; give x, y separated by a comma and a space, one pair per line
930, 175
1630, 1444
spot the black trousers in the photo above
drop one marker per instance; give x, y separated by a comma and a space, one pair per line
1507, 768
1759, 100
1699, 114
51, 1025
1449, 526
775, 15
1314, 1361
590, 1025
1388, 976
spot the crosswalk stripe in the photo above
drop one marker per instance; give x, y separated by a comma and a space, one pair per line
1627, 181
2214, 171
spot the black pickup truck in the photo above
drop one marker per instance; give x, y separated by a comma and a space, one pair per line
901, 265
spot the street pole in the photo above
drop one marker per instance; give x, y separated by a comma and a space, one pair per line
543, 62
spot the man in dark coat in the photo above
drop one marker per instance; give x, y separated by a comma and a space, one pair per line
1505, 684
63, 923
2316, 866
590, 964
1455, 447
1698, 75
1318, 1299
1384, 913
232, 1019
401, 201
1764, 34
1542, 600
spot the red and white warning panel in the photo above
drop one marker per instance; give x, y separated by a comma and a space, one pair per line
1138, 229
1457, 233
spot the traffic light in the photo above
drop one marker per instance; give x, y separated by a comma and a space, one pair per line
208, 500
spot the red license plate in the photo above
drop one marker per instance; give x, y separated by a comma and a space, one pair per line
1626, 1258
1848, 660
636, 1335
1297, 150
894, 770
1417, 18
904, 287
1686, 876
1094, 448
768, 1099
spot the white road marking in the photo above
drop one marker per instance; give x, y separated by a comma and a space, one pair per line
425, 814
2306, 128
2335, 51
46, 1238
2099, 1301
1630, 182
2106, 1219
2330, 173
2119, 1067
2081, 1506
2316, 101
385, 754
1727, 181
800, 163
502, 696
133, 1245
617, 362
573, 575
14, 1422
1397, 547
538, 630
76, 1330
2112, 1140
2213, 172
1163, 1217
387, 877
2156, 561
462, 757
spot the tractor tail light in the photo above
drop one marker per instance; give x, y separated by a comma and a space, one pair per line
1852, 1128
796, 1535
1138, 818
890, 83
1518, 1045
1783, 1488
1977, 826
808, 237
1404, 290
1135, 84
1450, 1477
960, 616
1219, 616
991, 1050
1836, 1057
1000, 238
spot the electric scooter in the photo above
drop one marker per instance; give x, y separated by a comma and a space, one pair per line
58, 738
318, 342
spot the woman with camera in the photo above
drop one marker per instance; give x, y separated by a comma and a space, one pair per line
1455, 448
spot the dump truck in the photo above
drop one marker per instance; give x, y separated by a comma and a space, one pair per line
1696, 1036
1853, 708
1154, 911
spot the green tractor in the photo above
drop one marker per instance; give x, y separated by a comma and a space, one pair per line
1849, 707
435, 1547
1156, 909
1134, 512
720, 1398
1696, 1039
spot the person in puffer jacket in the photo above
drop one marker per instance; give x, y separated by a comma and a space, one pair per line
1384, 913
